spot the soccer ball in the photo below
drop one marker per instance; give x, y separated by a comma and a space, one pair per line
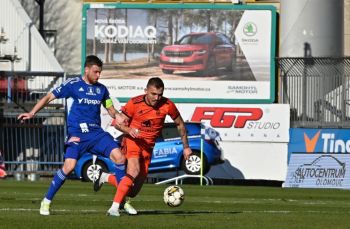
174, 196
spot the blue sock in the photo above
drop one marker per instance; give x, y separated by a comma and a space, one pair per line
56, 184
119, 171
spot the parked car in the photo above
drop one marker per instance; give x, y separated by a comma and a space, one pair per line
200, 52
167, 154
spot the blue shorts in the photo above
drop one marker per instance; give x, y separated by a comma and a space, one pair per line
101, 143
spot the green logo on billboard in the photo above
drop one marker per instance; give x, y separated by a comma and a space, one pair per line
250, 29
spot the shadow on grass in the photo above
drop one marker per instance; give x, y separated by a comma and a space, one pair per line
182, 212
144, 212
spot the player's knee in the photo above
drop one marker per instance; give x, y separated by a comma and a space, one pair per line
117, 156
134, 173
133, 167
69, 165
67, 169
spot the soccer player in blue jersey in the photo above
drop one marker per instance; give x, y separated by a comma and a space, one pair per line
84, 124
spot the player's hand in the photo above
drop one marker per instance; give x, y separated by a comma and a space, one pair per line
187, 152
133, 132
25, 116
119, 120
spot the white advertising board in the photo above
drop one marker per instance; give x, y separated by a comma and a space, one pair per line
234, 122
254, 137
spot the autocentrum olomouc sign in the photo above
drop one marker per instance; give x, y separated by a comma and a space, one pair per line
318, 170
205, 53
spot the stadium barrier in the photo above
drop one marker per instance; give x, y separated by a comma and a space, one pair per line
317, 90
37, 145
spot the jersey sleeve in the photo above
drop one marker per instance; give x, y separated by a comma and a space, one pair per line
129, 109
63, 91
173, 111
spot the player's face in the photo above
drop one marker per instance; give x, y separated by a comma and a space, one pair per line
153, 95
93, 73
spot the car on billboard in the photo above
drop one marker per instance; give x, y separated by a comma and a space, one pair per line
200, 52
167, 153
320, 164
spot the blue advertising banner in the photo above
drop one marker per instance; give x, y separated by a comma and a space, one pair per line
318, 170
319, 140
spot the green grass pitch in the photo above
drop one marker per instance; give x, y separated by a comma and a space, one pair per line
77, 206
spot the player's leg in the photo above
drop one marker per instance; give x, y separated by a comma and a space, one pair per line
145, 161
119, 171
119, 164
57, 182
135, 189
139, 181
109, 148
125, 185
71, 156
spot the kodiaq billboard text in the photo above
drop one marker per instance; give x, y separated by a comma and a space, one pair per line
205, 53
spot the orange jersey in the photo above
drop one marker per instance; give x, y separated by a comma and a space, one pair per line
147, 119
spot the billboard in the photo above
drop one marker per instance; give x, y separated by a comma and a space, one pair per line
233, 122
318, 170
319, 140
205, 53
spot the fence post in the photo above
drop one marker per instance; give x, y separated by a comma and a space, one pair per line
303, 94
345, 88
202, 136
307, 61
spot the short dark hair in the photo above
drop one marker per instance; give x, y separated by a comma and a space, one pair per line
93, 60
156, 82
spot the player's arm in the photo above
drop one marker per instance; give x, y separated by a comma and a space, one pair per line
183, 134
124, 127
115, 115
108, 104
127, 114
42, 103
112, 111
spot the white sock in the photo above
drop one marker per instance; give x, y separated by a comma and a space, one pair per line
104, 177
115, 205
46, 201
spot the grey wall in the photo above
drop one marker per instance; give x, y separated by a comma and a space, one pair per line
320, 23
65, 17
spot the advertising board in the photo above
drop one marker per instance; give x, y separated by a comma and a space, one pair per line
319, 140
205, 53
234, 122
318, 170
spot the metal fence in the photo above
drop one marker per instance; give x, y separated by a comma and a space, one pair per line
317, 90
37, 145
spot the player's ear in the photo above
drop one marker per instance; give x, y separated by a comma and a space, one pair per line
145, 90
86, 69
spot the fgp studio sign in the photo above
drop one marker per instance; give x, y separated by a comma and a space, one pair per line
318, 171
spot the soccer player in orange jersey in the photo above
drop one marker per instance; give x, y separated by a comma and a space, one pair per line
145, 115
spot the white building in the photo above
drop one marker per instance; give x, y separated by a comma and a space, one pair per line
21, 38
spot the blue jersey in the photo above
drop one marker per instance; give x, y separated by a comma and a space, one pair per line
84, 115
